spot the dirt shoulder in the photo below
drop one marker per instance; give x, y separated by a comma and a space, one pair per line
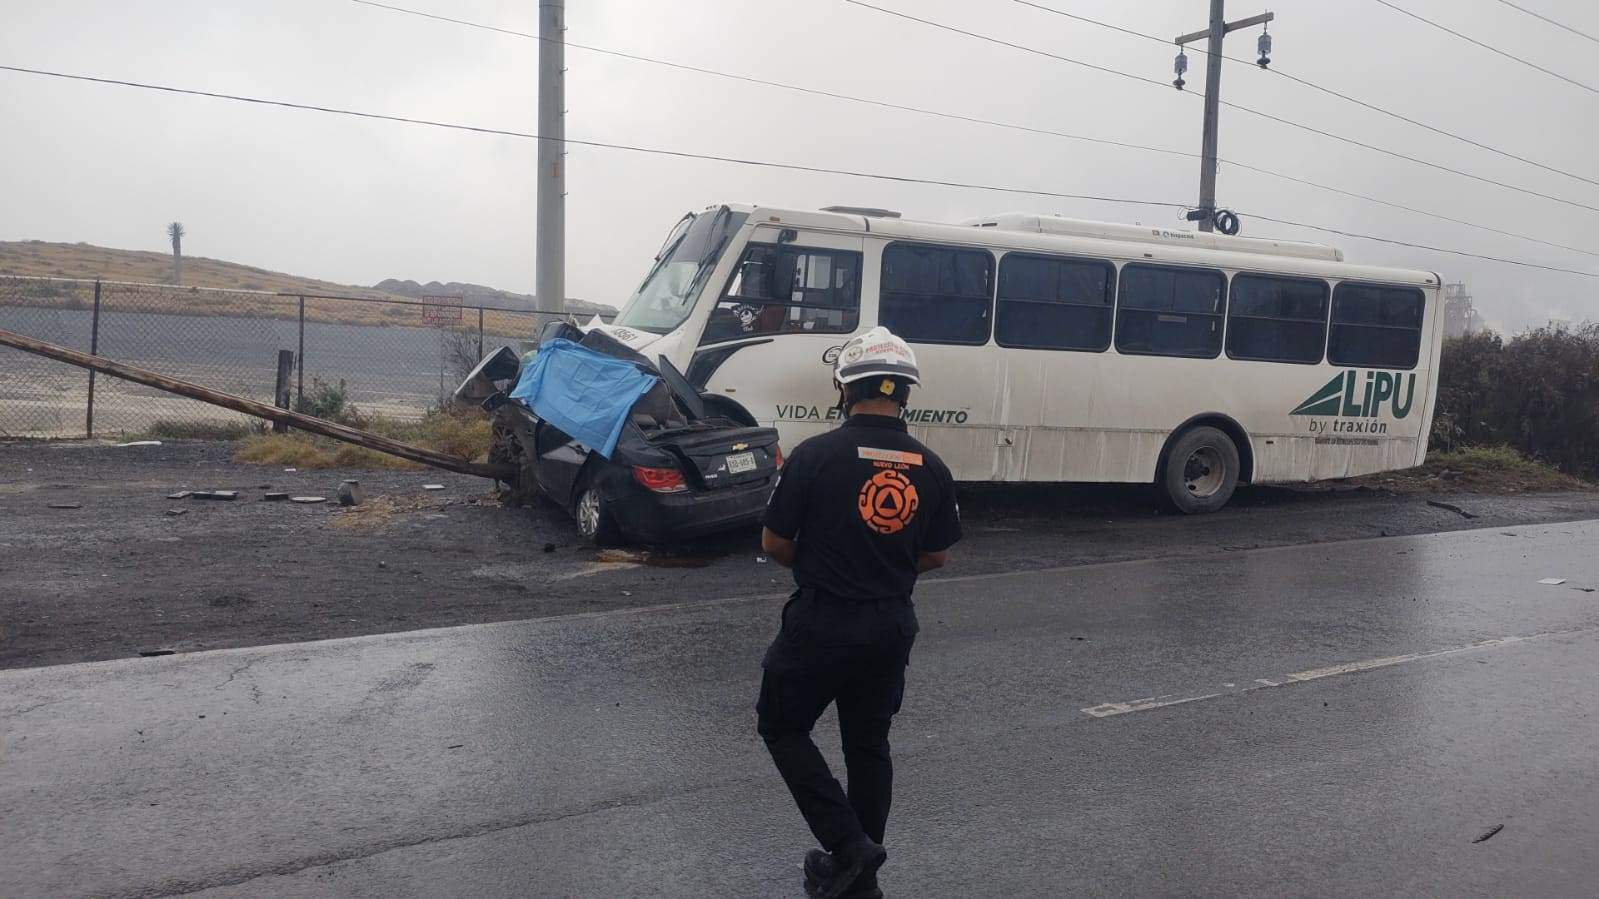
119, 575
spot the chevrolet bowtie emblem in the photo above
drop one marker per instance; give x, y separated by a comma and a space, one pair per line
740, 446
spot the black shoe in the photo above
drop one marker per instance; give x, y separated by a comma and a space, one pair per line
843, 874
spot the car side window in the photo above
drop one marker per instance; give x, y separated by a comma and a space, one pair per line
784, 289
932, 294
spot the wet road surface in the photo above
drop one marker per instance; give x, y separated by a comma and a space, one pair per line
1338, 718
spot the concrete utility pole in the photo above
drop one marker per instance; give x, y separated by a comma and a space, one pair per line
550, 257
1215, 35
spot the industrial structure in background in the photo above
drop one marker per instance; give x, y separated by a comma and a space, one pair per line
1460, 316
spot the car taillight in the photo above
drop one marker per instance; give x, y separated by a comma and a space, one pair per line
660, 480
778, 452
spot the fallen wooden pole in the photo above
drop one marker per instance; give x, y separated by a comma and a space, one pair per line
299, 420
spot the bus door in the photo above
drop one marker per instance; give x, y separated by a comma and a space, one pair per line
778, 323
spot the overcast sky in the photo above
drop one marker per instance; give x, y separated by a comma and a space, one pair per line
357, 201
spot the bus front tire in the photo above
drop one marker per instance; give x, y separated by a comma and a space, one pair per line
1201, 471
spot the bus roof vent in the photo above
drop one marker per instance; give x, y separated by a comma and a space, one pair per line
1069, 227
868, 211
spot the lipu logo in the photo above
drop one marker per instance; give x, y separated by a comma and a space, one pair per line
1349, 397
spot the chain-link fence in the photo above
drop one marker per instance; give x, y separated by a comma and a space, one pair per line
386, 357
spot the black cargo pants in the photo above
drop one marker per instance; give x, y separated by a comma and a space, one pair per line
849, 652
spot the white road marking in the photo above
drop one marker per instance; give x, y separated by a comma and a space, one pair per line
1109, 709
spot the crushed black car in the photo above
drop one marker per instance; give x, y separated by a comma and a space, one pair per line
682, 467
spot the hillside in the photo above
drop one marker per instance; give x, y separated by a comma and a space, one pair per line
81, 260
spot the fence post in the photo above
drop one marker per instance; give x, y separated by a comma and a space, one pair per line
299, 359
480, 332
94, 350
280, 395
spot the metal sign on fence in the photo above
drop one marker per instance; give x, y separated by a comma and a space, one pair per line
441, 312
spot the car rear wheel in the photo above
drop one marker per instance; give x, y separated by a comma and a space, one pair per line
1201, 471
594, 520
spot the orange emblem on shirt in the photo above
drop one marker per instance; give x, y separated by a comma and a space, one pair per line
888, 502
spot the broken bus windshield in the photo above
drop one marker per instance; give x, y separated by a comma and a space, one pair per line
666, 297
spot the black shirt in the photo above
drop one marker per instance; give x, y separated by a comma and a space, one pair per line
864, 501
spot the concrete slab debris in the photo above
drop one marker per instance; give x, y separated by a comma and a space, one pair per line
223, 495
140, 443
275, 497
174, 513
432, 486
181, 494
308, 499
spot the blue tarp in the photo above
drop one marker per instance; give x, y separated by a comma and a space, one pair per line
587, 394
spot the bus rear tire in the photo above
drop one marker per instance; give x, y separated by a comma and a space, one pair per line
1201, 471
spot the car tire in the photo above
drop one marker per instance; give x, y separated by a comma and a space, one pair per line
595, 522
1201, 471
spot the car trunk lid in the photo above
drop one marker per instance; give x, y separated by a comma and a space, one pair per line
723, 456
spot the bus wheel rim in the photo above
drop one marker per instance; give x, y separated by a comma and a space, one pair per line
1204, 472
588, 513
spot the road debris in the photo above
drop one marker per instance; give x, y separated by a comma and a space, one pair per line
174, 513
275, 497
549, 547
140, 443
66, 505
432, 486
1450, 507
291, 470
1552, 581
308, 499
1491, 832
221, 495
157, 652
181, 494
351, 494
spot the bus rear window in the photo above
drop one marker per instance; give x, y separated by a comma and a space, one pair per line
936, 294
1274, 319
1375, 326
1167, 311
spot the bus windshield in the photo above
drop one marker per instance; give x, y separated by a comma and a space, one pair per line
666, 297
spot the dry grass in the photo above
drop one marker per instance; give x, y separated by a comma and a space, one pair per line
1479, 469
464, 434
83, 261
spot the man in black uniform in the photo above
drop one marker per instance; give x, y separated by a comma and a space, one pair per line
858, 513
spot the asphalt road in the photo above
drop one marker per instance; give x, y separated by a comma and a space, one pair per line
1335, 719
120, 575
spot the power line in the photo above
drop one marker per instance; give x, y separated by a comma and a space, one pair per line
1421, 246
1492, 49
1277, 70
1241, 108
794, 167
980, 121
1560, 25
681, 154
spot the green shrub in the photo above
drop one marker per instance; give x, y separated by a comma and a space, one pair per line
329, 401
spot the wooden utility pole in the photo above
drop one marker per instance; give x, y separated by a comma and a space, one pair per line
1215, 35
333, 429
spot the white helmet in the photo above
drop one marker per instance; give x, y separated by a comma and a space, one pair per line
876, 353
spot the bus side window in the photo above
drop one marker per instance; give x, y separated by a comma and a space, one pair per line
1170, 311
1375, 326
1054, 303
935, 294
1276, 319
784, 289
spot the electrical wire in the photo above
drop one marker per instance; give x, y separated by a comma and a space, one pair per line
1277, 71
408, 120
1560, 25
681, 154
1240, 107
1492, 49
989, 122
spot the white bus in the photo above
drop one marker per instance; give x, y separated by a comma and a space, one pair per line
1055, 349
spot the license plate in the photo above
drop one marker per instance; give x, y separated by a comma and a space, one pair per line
740, 463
